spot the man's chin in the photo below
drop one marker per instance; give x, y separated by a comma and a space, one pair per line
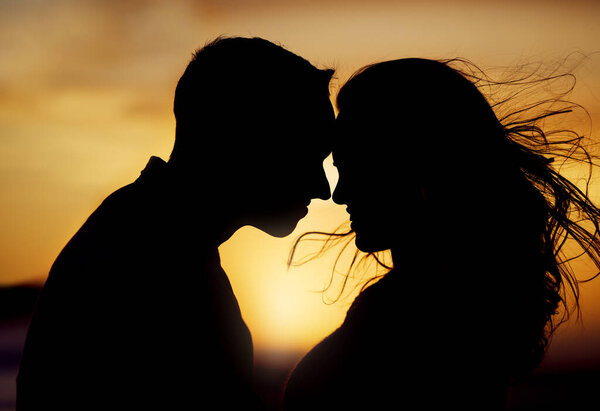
278, 230
281, 224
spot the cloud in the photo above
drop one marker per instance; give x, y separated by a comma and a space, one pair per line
69, 61
95, 45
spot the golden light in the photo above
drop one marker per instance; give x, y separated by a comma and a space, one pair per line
85, 99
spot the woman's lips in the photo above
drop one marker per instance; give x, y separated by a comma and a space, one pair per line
352, 216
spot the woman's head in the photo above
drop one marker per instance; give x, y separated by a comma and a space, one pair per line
426, 166
411, 133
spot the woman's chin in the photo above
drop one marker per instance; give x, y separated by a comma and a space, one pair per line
369, 242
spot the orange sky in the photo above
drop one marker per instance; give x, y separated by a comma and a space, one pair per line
86, 90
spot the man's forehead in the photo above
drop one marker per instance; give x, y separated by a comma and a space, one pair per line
314, 100
314, 146
306, 119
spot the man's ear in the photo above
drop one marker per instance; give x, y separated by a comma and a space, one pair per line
424, 193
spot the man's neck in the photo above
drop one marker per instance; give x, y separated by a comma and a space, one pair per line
208, 213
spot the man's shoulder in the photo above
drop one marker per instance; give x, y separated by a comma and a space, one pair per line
138, 195
115, 214
116, 206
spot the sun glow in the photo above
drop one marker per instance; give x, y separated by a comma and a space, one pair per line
85, 99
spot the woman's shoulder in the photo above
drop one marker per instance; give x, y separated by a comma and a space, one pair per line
383, 293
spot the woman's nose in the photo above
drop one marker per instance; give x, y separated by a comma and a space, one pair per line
339, 193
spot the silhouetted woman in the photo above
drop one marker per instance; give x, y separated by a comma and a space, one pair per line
474, 212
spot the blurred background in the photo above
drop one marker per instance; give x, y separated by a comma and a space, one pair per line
86, 90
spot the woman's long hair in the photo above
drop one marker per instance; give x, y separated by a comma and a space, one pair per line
535, 149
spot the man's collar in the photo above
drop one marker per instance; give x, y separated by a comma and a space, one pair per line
155, 165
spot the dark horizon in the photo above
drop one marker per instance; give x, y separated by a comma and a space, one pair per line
547, 389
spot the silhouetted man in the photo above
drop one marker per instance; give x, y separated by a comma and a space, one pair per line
137, 312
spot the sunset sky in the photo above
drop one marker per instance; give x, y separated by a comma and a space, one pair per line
86, 90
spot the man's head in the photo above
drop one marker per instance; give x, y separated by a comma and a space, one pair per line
253, 128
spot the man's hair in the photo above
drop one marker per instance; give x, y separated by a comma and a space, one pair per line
233, 81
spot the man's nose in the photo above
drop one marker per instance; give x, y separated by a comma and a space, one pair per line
321, 188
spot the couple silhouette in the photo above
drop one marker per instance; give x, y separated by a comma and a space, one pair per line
137, 312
